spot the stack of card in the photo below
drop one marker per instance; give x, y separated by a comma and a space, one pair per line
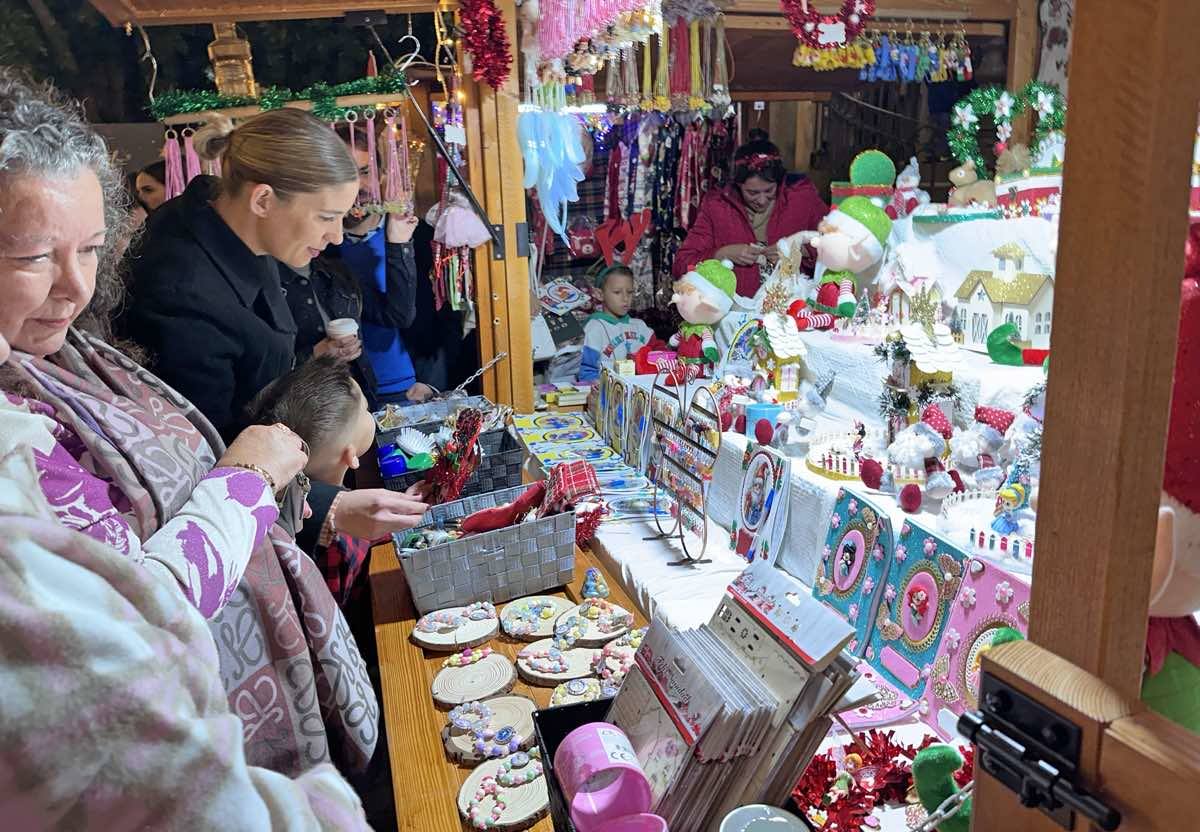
732, 712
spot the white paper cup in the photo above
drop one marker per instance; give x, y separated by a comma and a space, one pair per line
341, 328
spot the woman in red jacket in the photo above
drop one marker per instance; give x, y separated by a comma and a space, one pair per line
743, 221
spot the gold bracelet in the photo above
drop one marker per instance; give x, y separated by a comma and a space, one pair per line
256, 469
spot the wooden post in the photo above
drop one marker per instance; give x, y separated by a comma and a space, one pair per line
1121, 245
502, 286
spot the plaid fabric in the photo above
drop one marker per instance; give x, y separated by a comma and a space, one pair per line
569, 482
342, 561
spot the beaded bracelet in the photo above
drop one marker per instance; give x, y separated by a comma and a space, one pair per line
632, 639
589, 689
519, 769
488, 787
480, 611
545, 661
568, 631
470, 716
440, 621
498, 743
468, 657
608, 616
602, 668
525, 618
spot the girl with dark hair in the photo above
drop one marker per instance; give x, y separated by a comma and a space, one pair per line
742, 221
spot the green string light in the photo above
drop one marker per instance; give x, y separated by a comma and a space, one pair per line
963, 139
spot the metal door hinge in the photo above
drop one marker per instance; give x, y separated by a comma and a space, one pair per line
1034, 752
497, 241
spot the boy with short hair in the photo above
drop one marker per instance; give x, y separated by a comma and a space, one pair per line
610, 334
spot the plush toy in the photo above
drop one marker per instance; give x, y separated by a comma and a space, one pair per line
703, 297
850, 241
968, 189
908, 195
1172, 682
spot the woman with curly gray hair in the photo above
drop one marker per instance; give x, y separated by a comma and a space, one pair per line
123, 459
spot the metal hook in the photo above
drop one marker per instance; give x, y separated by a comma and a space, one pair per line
147, 55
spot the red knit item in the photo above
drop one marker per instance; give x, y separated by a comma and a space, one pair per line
485, 37
1181, 477
995, 417
936, 419
489, 519
871, 473
910, 498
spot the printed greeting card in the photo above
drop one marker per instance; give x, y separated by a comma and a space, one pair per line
989, 599
618, 407
855, 564
760, 516
638, 428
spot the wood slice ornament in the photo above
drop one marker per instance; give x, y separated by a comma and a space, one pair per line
532, 618
602, 622
456, 627
522, 805
515, 712
491, 674
533, 663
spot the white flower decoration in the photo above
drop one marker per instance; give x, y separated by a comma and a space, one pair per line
1004, 106
964, 116
890, 593
835, 521
868, 584
1003, 131
852, 508
953, 639
967, 597
901, 553
930, 547
1004, 592
1044, 103
852, 613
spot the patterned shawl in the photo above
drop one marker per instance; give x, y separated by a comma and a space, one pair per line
290, 665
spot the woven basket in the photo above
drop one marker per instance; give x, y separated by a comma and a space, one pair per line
500, 467
494, 566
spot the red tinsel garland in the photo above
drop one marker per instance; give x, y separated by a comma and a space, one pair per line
586, 523
892, 763
458, 459
806, 21
486, 38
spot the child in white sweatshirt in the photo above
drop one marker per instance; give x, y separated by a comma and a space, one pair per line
610, 334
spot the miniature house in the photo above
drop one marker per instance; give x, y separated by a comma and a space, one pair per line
781, 361
1009, 293
900, 296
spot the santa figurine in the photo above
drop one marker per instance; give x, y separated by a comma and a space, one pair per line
703, 297
850, 242
1171, 685
907, 196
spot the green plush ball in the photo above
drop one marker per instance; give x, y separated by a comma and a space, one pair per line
872, 167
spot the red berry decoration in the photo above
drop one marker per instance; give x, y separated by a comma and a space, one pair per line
871, 473
910, 498
764, 432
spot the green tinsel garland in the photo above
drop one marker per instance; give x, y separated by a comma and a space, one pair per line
323, 97
964, 139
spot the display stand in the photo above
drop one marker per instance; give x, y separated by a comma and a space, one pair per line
683, 455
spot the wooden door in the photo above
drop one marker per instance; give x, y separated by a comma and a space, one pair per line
1120, 259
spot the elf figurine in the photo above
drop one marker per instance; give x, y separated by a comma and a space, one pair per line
850, 241
1171, 685
703, 297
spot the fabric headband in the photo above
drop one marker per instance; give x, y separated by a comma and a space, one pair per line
758, 161
606, 271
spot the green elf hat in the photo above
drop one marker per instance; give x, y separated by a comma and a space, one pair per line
859, 217
716, 283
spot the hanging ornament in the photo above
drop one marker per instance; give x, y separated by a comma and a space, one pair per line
173, 159
662, 84
191, 159
827, 31
486, 39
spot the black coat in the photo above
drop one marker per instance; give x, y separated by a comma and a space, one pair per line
211, 312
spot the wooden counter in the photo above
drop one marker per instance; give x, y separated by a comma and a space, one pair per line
424, 782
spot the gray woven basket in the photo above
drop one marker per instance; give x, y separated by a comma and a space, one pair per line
499, 468
494, 566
